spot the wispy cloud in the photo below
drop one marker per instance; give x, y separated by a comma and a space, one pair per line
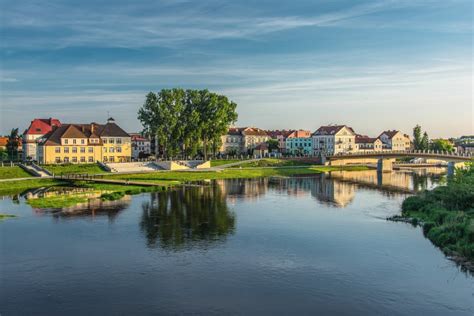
168, 28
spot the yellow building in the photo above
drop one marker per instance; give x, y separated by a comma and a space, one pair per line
85, 143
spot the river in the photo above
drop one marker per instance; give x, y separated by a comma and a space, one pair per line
317, 244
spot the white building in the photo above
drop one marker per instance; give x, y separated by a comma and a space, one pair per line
141, 146
333, 140
395, 140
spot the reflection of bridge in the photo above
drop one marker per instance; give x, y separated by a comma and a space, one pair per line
385, 159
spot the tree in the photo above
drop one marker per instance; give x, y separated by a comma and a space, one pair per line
425, 142
417, 137
442, 145
273, 145
12, 144
184, 120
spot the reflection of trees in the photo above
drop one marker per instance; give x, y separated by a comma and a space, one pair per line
187, 215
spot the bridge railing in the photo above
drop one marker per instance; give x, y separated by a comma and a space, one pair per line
437, 153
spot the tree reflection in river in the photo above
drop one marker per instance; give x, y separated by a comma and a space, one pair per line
183, 217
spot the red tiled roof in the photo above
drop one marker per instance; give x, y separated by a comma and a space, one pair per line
3, 141
42, 126
364, 139
300, 134
274, 134
331, 129
254, 131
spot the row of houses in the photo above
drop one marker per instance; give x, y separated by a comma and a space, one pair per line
329, 140
49, 141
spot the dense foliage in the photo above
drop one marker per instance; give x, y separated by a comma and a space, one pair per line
186, 121
447, 213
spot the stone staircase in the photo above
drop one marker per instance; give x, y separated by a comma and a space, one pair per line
36, 170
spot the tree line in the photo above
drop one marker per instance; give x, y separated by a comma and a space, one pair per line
421, 141
186, 122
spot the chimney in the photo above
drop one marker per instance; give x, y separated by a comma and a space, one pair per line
92, 128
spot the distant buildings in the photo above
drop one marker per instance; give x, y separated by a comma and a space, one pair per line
84, 143
141, 146
395, 140
243, 140
334, 139
365, 143
299, 143
465, 144
327, 140
37, 129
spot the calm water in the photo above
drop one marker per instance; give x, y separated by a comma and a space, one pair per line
307, 245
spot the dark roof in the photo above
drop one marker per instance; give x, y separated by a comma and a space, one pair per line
111, 129
262, 146
274, 134
92, 130
331, 129
363, 139
390, 134
239, 131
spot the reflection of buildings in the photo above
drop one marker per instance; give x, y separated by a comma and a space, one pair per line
292, 186
243, 188
334, 192
92, 208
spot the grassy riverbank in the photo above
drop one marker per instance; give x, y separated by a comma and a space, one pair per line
164, 180
447, 215
13, 172
231, 173
74, 168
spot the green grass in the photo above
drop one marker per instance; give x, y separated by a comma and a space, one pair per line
273, 162
74, 169
57, 201
220, 162
187, 176
447, 214
15, 187
13, 172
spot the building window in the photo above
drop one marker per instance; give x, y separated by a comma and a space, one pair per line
83, 159
57, 150
105, 149
105, 158
74, 150
91, 159
119, 149
66, 141
104, 140
91, 149
83, 149
66, 150
111, 149
112, 159
66, 159
74, 159
118, 140
82, 141
74, 141
58, 159
111, 141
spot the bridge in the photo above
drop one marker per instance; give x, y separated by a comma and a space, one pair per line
385, 159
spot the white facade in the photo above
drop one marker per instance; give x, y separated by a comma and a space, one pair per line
332, 140
140, 145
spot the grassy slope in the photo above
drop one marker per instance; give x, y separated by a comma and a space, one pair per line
74, 168
15, 187
13, 172
220, 162
448, 214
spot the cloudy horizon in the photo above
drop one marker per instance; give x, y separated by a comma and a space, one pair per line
373, 65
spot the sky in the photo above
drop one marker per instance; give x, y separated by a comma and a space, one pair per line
373, 65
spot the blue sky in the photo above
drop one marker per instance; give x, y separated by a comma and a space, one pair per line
288, 64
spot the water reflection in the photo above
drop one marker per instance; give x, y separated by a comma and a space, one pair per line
90, 209
180, 218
